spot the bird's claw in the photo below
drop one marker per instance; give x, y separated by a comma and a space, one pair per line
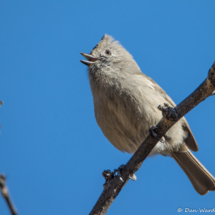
154, 134
168, 112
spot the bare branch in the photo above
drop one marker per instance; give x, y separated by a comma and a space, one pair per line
114, 186
6, 196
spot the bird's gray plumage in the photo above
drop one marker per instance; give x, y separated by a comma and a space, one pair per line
125, 104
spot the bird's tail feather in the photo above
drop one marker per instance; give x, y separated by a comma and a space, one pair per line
199, 176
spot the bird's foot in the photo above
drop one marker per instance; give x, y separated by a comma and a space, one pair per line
168, 112
154, 134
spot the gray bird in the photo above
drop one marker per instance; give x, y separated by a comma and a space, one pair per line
125, 105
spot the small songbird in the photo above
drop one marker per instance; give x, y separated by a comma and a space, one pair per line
125, 104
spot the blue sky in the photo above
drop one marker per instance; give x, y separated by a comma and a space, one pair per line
52, 150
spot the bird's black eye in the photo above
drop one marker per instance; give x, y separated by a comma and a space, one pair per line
108, 52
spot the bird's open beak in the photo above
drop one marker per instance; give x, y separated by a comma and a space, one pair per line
90, 59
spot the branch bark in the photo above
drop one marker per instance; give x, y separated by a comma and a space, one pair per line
6, 196
115, 185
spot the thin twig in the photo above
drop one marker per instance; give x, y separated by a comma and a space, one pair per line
112, 189
5, 194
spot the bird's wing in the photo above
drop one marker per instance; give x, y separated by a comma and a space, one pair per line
190, 140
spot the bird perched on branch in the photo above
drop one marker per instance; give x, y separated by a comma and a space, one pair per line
125, 104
